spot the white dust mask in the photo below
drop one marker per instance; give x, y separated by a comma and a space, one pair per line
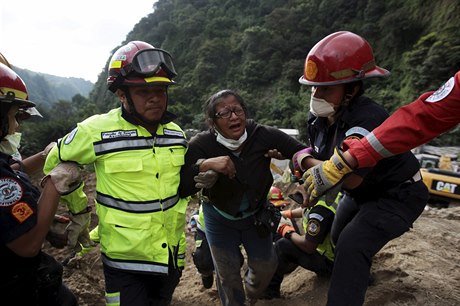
320, 107
10, 144
231, 144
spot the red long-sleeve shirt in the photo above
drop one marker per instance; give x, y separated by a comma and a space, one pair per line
432, 114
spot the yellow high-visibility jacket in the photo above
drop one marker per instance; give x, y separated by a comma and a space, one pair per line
325, 248
141, 217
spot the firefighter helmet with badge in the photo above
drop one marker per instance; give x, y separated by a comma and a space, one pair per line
341, 57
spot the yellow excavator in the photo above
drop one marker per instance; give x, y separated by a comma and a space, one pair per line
442, 181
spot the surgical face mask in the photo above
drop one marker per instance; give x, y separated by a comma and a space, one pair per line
320, 107
231, 144
10, 144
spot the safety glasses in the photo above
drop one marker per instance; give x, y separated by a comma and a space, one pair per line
147, 62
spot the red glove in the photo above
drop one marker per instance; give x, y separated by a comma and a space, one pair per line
284, 229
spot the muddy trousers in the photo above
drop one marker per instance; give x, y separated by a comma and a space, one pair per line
202, 255
225, 237
127, 288
371, 225
290, 257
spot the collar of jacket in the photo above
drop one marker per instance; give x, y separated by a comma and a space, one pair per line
167, 117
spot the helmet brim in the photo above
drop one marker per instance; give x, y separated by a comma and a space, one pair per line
155, 80
16, 101
376, 72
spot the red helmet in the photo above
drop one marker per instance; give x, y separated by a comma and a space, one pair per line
139, 63
341, 57
276, 197
13, 91
12, 88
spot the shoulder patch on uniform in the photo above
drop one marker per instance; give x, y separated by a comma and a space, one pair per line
118, 134
173, 133
70, 137
313, 227
10, 191
315, 216
21, 211
357, 130
442, 92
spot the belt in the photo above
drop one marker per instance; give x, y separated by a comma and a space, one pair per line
415, 178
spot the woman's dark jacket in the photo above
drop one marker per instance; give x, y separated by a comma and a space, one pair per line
253, 175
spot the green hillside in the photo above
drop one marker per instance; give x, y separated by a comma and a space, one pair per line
46, 89
259, 47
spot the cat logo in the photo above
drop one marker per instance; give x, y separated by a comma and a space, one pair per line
446, 187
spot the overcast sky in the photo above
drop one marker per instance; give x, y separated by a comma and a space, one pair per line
66, 38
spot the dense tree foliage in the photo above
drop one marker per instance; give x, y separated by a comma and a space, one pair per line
259, 48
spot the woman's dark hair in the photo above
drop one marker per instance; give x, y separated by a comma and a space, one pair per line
209, 108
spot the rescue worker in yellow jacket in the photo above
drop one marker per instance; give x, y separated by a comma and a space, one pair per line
137, 153
313, 251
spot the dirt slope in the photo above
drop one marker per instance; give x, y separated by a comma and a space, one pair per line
419, 268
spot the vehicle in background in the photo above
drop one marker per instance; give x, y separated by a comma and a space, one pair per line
441, 180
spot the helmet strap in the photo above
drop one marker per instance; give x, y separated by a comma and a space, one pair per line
149, 125
4, 120
116, 83
351, 92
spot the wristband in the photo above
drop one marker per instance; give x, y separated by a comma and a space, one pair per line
288, 235
84, 211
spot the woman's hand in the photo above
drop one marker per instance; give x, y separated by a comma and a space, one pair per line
274, 153
220, 164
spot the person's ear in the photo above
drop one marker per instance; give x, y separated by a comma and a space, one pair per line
121, 95
355, 90
350, 94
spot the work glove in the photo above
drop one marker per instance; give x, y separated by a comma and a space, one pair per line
285, 226
326, 178
47, 149
94, 241
206, 179
66, 177
57, 234
77, 230
299, 156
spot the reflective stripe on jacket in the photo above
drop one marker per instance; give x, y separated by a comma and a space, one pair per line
140, 213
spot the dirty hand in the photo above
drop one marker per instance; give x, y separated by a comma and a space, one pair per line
57, 234
220, 164
325, 178
299, 156
66, 177
274, 153
87, 242
47, 149
206, 179
77, 230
